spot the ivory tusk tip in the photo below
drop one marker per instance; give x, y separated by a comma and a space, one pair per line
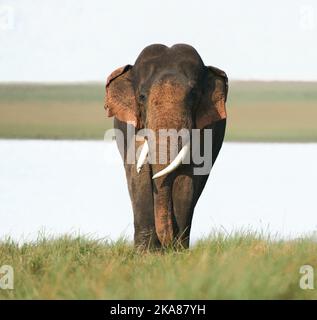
175, 163
157, 175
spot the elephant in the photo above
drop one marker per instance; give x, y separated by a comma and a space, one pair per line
166, 88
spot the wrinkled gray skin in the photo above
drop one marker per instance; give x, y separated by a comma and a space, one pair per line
178, 191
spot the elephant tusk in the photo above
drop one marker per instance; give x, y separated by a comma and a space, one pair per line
142, 157
175, 163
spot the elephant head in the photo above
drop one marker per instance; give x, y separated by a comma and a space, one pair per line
167, 88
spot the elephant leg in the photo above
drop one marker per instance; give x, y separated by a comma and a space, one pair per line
141, 195
140, 189
188, 187
182, 195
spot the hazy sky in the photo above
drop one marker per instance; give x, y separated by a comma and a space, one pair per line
77, 40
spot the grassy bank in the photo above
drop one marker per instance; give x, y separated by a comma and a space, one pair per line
257, 111
52, 111
244, 266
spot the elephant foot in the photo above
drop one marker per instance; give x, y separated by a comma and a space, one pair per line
146, 240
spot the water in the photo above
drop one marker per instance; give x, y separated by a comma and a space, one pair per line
79, 186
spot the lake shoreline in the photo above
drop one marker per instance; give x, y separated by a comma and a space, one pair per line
62, 186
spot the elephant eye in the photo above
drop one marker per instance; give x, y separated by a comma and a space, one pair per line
142, 97
193, 93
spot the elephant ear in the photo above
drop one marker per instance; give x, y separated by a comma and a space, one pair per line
120, 99
212, 106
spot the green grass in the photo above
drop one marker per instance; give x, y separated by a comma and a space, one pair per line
257, 111
239, 266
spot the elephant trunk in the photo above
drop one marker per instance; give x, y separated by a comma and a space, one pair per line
169, 156
162, 195
163, 211
166, 115
163, 207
